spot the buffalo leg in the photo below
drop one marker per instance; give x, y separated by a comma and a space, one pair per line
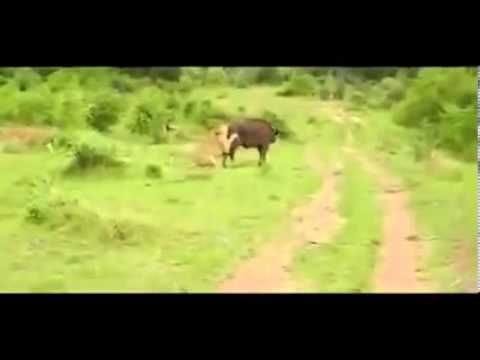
262, 150
225, 157
233, 149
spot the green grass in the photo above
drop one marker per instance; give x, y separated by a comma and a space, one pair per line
345, 263
124, 230
443, 198
128, 232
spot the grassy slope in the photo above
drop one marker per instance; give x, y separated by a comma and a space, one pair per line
443, 200
189, 229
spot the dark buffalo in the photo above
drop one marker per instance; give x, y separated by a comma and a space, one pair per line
250, 133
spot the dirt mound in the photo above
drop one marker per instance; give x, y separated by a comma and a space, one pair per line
29, 136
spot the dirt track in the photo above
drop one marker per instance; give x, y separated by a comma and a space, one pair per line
400, 253
269, 270
398, 268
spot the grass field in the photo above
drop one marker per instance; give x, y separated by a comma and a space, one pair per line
120, 230
182, 232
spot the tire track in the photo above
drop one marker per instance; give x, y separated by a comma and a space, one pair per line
269, 270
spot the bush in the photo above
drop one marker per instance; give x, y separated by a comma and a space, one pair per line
153, 171
63, 79
215, 76
33, 107
285, 132
334, 86
27, 78
104, 112
49, 207
88, 156
186, 84
268, 75
70, 109
150, 117
204, 113
123, 85
244, 76
299, 85
64, 142
441, 104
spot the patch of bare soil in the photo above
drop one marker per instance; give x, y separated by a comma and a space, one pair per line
269, 270
29, 136
464, 262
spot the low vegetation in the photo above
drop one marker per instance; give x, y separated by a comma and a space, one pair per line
100, 191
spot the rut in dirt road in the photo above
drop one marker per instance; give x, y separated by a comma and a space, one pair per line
269, 270
400, 252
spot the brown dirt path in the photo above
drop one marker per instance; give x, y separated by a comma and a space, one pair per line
401, 251
269, 270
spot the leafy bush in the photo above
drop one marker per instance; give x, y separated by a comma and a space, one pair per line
27, 78
63, 79
123, 84
215, 76
268, 75
87, 156
49, 207
186, 84
153, 171
150, 117
299, 85
104, 112
70, 109
280, 124
334, 86
244, 76
441, 103
33, 107
64, 141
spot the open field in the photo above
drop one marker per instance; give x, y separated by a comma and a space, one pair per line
159, 223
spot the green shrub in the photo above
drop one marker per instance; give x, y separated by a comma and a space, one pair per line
63, 79
3, 80
50, 207
244, 76
299, 85
123, 84
64, 141
441, 105
154, 171
27, 78
104, 112
70, 109
186, 84
216, 76
151, 117
222, 95
204, 113
87, 156
34, 107
280, 124
268, 75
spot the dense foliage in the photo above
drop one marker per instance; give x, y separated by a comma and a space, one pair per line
439, 104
